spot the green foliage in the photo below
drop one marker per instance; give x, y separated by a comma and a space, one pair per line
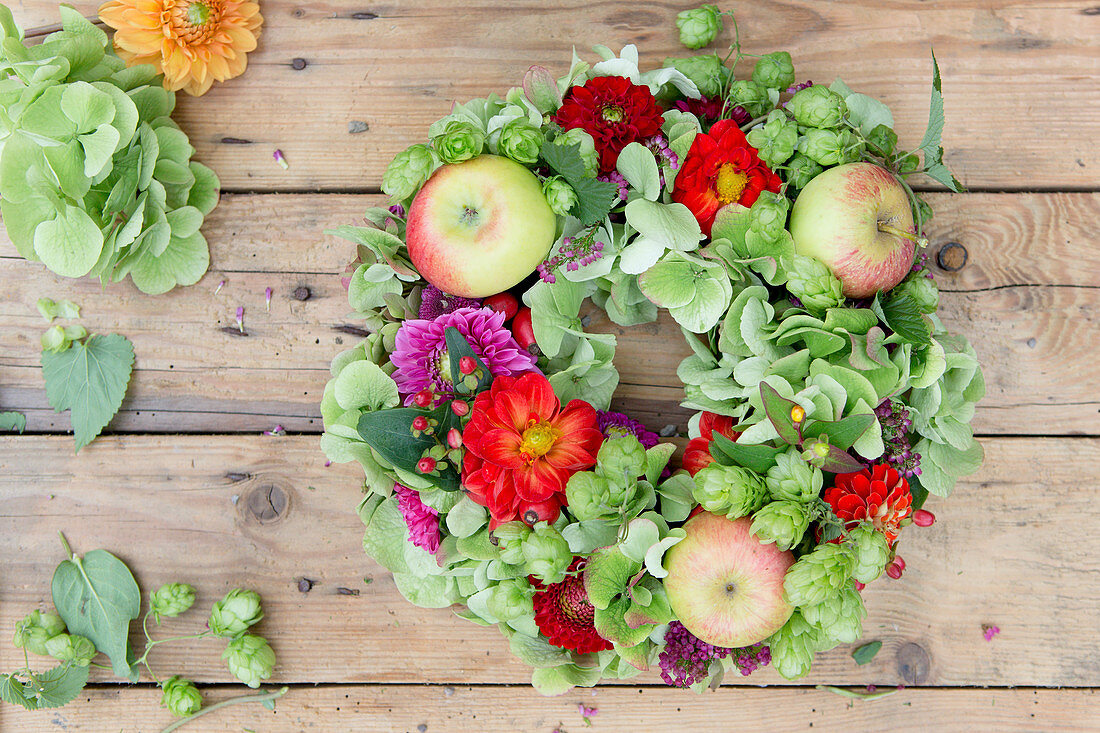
864, 653
594, 198
89, 379
15, 422
95, 178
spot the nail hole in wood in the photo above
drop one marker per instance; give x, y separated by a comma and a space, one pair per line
952, 257
298, 64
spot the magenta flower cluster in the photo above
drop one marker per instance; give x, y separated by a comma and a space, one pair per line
422, 520
618, 425
896, 425
574, 253
686, 658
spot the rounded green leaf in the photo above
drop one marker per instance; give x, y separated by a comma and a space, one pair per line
70, 243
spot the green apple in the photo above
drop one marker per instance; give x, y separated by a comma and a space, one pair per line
724, 584
856, 219
479, 227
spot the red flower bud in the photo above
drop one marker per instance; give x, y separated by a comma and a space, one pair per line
460, 408
425, 465
505, 303
923, 518
467, 364
420, 423
454, 438
894, 570
423, 398
899, 562
522, 329
858, 585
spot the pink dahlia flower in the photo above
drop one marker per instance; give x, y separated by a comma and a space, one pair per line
422, 520
421, 358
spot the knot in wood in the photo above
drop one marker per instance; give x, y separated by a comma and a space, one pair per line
952, 257
267, 503
913, 663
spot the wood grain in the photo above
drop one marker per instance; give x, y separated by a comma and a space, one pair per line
1012, 547
428, 709
1022, 112
1027, 298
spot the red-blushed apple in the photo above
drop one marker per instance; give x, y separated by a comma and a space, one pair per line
725, 585
856, 219
479, 227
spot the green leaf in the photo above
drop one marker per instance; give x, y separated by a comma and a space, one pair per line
390, 433
90, 380
672, 225
868, 112
864, 654
607, 574
842, 433
594, 198
939, 172
97, 597
902, 314
778, 409
15, 422
758, 458
934, 132
363, 385
70, 243
466, 518
458, 347
638, 166
11, 689
58, 686
839, 461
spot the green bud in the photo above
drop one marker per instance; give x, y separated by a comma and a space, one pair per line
36, 629
870, 552
840, 616
250, 659
510, 537
234, 613
621, 460
180, 697
407, 172
521, 141
171, 600
816, 451
775, 139
577, 136
73, 648
801, 170
793, 479
809, 280
782, 522
588, 495
546, 554
830, 147
818, 574
54, 339
775, 70
512, 599
750, 95
817, 106
559, 194
459, 141
793, 647
730, 490
922, 290
707, 72
700, 26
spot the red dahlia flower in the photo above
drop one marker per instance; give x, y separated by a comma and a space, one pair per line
565, 616
522, 447
721, 168
614, 111
697, 454
879, 495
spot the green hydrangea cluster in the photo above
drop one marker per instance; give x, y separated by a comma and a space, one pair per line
95, 177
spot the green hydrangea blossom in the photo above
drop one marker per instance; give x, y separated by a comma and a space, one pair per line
870, 552
250, 659
730, 490
818, 574
810, 281
774, 70
180, 697
775, 139
459, 141
521, 141
782, 522
817, 106
699, 26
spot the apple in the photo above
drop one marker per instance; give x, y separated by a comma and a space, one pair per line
479, 227
856, 219
724, 584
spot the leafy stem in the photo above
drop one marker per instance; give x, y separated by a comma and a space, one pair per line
261, 698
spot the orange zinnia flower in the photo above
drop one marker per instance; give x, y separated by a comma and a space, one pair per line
192, 42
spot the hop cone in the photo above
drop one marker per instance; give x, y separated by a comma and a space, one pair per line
810, 281
870, 552
818, 575
699, 26
546, 554
36, 629
171, 600
730, 490
782, 522
250, 659
180, 697
233, 614
793, 647
817, 106
774, 70
78, 650
840, 616
793, 479
407, 172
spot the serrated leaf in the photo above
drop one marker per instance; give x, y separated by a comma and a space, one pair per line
864, 654
11, 689
594, 198
15, 422
902, 314
939, 172
90, 381
934, 132
58, 686
97, 597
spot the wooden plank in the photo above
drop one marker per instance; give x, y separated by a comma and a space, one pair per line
398, 67
1025, 299
384, 709
196, 509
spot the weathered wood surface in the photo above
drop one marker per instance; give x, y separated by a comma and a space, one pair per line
1011, 548
387, 709
1022, 109
1025, 299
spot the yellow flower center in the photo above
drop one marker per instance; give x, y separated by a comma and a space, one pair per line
537, 440
193, 22
612, 113
730, 184
198, 14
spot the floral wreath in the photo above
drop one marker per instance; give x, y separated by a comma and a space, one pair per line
774, 222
